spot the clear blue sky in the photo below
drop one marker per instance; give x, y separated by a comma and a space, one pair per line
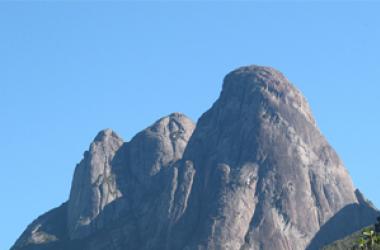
69, 70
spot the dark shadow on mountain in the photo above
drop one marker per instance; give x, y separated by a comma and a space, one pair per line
51, 226
348, 220
57, 218
59, 245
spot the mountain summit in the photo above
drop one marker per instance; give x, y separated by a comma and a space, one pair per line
255, 173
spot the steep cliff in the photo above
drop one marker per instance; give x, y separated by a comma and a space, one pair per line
256, 173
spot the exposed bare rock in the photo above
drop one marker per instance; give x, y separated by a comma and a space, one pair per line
256, 173
346, 222
45, 231
146, 169
116, 182
266, 177
94, 185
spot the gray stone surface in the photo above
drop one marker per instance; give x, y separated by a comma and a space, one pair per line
256, 173
46, 230
94, 185
266, 177
148, 176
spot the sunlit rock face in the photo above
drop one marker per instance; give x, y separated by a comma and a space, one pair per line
255, 173
94, 185
266, 177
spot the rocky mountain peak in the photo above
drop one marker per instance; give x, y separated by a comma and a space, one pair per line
166, 139
176, 126
255, 173
112, 169
107, 134
259, 82
93, 185
263, 168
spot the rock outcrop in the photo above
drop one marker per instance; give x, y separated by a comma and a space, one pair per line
94, 184
256, 173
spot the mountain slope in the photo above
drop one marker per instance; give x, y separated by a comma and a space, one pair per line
349, 242
264, 171
255, 173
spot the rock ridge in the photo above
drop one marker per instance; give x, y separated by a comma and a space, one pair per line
254, 173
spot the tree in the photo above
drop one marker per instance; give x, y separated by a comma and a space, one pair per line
369, 240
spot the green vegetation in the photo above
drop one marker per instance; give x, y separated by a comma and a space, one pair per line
366, 239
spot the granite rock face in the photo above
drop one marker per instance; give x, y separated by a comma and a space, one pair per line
148, 179
255, 173
94, 185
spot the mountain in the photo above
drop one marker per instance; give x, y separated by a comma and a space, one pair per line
350, 242
255, 173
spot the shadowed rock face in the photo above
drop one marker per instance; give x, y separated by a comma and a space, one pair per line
256, 173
